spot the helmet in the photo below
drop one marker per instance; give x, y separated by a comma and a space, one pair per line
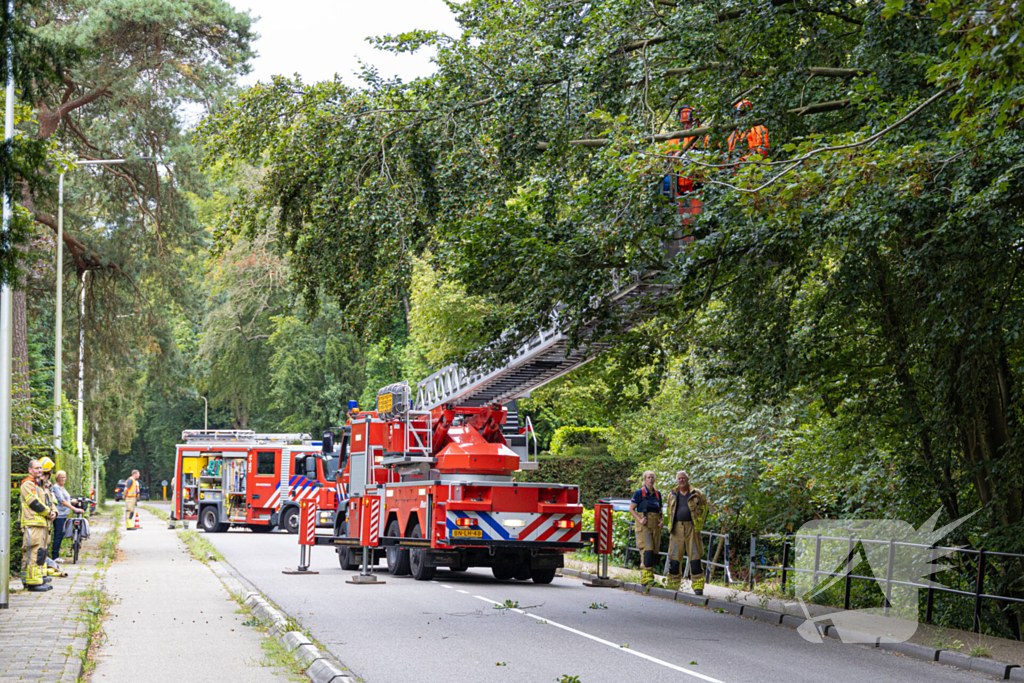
743, 107
46, 464
688, 114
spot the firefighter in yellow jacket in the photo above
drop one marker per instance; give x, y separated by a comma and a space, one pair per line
131, 497
645, 507
687, 510
35, 518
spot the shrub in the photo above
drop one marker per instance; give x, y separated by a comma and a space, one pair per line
581, 441
597, 476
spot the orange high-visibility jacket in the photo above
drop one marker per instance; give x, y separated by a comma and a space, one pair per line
756, 139
132, 488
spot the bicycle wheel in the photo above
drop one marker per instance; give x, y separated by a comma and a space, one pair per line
76, 543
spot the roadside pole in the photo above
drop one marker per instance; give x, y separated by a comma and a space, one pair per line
80, 441
6, 302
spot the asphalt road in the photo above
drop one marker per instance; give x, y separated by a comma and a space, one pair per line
450, 630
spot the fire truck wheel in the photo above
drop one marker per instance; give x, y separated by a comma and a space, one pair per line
350, 559
523, 572
398, 558
290, 520
209, 521
504, 572
418, 560
543, 575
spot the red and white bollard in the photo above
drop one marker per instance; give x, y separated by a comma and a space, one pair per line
307, 537
604, 524
370, 513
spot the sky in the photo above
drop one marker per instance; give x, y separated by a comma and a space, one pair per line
320, 38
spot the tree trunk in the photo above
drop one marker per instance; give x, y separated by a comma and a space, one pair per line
19, 352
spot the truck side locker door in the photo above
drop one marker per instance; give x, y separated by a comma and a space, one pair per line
262, 482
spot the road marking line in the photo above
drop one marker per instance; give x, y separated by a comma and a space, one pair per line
462, 591
596, 639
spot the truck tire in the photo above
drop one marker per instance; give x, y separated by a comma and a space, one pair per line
209, 521
290, 520
418, 560
523, 572
398, 558
504, 571
350, 559
543, 576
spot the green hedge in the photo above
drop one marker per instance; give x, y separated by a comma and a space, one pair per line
600, 476
15, 530
567, 439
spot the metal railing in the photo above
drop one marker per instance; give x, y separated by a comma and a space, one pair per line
723, 540
978, 594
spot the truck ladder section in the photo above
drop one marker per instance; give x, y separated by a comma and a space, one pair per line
537, 362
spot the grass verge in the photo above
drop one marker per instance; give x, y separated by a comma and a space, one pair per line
156, 511
200, 548
97, 605
274, 653
107, 550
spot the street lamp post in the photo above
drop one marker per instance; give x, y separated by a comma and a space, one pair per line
59, 326
6, 302
206, 413
81, 368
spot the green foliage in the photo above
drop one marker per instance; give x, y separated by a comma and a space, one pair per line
569, 440
314, 372
597, 476
16, 536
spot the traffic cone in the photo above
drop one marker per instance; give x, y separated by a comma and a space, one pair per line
137, 525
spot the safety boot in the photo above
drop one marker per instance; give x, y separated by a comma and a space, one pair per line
647, 579
38, 588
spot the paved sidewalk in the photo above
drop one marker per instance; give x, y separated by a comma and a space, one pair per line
173, 619
42, 637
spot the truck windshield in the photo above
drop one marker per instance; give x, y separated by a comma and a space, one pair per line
335, 459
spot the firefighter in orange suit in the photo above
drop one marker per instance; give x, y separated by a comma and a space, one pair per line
745, 143
35, 518
686, 512
689, 199
131, 497
645, 506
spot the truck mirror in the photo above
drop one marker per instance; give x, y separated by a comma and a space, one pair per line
328, 442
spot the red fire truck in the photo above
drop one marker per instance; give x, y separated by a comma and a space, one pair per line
226, 478
447, 495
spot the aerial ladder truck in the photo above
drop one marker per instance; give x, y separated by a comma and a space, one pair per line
433, 477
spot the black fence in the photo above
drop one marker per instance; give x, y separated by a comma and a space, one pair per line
723, 540
972, 569
976, 561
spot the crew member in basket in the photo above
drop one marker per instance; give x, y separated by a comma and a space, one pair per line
646, 510
687, 511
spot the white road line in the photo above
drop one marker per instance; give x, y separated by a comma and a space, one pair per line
462, 591
618, 647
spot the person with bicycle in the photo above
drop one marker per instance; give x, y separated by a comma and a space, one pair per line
65, 506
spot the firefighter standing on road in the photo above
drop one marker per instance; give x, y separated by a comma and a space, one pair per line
35, 517
687, 512
645, 507
131, 497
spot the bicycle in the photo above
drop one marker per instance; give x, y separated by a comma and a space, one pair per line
78, 528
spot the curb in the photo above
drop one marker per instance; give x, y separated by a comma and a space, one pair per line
988, 667
320, 666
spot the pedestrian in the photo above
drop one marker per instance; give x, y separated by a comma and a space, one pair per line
35, 515
131, 497
65, 506
645, 507
687, 510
